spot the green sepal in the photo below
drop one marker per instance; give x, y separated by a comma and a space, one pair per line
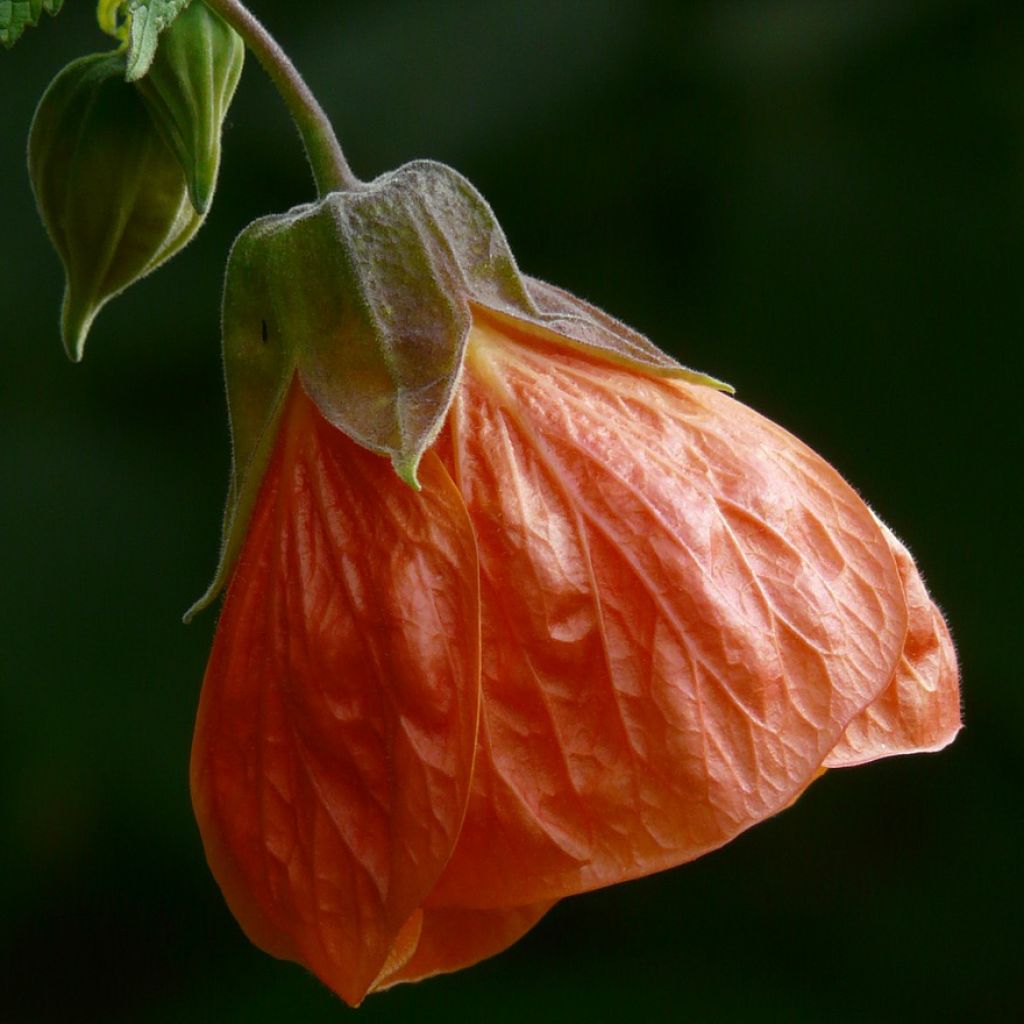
367, 297
565, 319
189, 87
368, 291
18, 15
147, 19
110, 192
259, 368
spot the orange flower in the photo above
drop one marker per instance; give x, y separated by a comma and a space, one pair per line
625, 618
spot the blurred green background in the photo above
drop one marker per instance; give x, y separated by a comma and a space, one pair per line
821, 201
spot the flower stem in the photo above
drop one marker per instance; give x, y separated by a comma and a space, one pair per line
331, 171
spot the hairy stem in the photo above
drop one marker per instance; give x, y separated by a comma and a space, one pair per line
330, 168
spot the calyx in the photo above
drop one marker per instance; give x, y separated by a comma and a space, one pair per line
367, 297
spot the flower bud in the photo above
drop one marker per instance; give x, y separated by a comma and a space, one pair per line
111, 194
188, 89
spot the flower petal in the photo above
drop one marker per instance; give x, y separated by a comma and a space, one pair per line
337, 724
920, 708
682, 609
444, 939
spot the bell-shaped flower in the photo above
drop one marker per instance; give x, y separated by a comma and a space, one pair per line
618, 618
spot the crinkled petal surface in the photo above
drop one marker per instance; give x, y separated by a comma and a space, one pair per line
334, 745
919, 710
683, 607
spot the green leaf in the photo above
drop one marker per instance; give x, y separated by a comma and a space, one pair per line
148, 19
17, 15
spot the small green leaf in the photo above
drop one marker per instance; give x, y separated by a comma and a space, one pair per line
148, 19
18, 15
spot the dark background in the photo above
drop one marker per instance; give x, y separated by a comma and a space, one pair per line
819, 201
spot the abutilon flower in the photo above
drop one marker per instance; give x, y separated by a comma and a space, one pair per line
617, 618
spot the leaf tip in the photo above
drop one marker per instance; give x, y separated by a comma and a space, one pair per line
704, 380
200, 191
200, 606
75, 324
204, 602
406, 467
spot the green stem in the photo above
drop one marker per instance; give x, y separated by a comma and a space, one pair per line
330, 168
